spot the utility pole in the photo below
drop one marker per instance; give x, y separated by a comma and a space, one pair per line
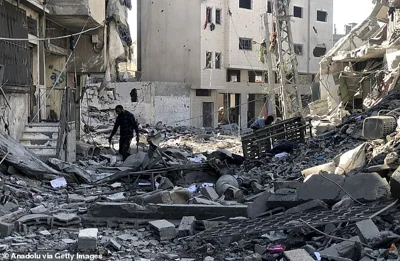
287, 62
268, 60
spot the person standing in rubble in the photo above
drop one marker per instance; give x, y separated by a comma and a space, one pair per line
127, 124
262, 123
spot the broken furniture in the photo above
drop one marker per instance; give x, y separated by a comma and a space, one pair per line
257, 144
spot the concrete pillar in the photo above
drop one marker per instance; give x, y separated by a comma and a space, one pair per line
41, 101
243, 109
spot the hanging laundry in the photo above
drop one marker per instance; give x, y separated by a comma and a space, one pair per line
125, 34
207, 15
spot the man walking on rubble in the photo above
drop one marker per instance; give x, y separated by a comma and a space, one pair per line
262, 123
127, 124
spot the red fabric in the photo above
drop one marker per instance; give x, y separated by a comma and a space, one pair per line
207, 13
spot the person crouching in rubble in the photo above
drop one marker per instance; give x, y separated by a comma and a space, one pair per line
127, 123
262, 123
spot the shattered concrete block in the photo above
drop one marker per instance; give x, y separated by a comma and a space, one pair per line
210, 193
39, 210
344, 251
87, 239
180, 195
35, 219
391, 158
284, 198
208, 258
6, 229
66, 219
311, 205
259, 205
204, 201
164, 230
367, 231
395, 183
317, 187
157, 197
292, 184
253, 257
186, 227
114, 244
298, 255
366, 187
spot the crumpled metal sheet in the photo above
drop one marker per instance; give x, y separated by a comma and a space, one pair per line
69, 168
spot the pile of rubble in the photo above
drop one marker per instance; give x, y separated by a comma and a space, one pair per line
333, 198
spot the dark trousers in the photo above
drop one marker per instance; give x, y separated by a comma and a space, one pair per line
124, 146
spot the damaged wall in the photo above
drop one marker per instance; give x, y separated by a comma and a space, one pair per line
17, 116
156, 101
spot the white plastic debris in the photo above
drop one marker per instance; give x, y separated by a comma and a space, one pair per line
58, 182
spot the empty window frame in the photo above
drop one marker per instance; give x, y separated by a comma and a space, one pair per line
322, 16
208, 60
298, 11
218, 16
203, 92
245, 44
269, 6
218, 57
209, 14
255, 76
246, 4
233, 75
298, 49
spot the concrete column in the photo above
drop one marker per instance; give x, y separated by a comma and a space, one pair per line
41, 101
243, 109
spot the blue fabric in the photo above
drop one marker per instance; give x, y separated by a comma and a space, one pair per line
128, 4
260, 123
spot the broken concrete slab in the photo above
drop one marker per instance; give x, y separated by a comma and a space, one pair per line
114, 244
367, 231
6, 229
317, 187
186, 227
311, 205
87, 239
164, 230
259, 205
154, 197
165, 211
203, 201
66, 219
39, 210
366, 187
344, 251
284, 198
80, 198
291, 184
297, 255
209, 193
35, 219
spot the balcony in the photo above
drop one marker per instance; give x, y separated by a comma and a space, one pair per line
73, 14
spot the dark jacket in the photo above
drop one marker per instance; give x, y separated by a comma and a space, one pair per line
127, 124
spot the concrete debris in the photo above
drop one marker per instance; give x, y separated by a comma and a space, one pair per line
87, 239
163, 229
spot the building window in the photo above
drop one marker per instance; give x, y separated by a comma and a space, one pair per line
218, 57
255, 76
298, 11
208, 60
245, 44
269, 6
322, 16
233, 76
246, 4
218, 16
298, 49
209, 14
203, 92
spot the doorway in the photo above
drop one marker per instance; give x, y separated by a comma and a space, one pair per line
208, 111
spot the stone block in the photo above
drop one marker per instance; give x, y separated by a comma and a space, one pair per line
311, 205
366, 187
114, 244
284, 198
317, 187
367, 231
210, 193
204, 201
164, 230
258, 206
39, 210
186, 227
6, 229
87, 239
297, 255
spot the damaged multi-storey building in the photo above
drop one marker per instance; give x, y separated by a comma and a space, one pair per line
212, 51
47, 49
363, 66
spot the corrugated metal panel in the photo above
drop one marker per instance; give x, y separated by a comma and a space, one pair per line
14, 55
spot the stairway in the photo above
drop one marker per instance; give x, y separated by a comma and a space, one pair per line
41, 139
